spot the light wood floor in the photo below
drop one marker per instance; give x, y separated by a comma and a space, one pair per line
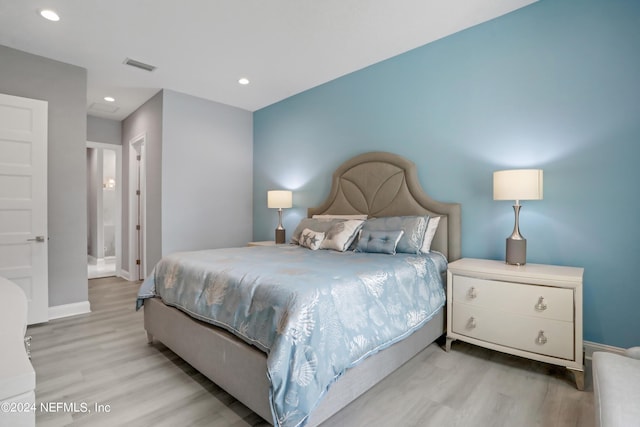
103, 358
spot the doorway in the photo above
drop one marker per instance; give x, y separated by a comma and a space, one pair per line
104, 211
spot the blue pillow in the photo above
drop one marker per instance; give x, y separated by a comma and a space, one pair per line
414, 228
380, 242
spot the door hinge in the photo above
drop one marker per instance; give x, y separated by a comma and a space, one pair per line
27, 345
138, 227
137, 262
138, 157
137, 192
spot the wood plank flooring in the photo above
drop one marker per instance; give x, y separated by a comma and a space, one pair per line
103, 358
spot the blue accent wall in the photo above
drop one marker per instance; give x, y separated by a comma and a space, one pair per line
555, 85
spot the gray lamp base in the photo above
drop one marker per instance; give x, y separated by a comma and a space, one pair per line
280, 236
516, 251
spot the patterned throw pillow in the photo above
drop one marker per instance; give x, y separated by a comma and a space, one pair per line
381, 242
341, 234
321, 225
311, 239
414, 228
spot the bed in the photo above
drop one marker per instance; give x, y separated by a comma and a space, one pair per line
375, 184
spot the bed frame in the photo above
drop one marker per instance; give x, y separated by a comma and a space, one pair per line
377, 184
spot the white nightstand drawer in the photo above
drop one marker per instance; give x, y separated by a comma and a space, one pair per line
524, 299
515, 331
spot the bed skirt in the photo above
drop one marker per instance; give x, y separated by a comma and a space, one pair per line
241, 369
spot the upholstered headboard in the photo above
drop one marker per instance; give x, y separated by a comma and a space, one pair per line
385, 184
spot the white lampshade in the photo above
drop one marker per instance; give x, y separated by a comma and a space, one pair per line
517, 184
279, 199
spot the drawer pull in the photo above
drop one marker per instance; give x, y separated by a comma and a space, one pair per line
541, 340
541, 306
471, 293
471, 323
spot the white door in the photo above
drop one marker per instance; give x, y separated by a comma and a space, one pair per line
23, 200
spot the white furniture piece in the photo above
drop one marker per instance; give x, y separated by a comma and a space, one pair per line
17, 377
616, 387
532, 311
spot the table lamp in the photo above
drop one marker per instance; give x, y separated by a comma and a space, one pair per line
279, 199
517, 184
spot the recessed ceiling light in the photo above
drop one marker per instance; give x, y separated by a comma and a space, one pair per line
50, 15
243, 81
109, 98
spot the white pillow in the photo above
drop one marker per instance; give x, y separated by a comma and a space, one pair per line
432, 226
363, 216
311, 239
341, 235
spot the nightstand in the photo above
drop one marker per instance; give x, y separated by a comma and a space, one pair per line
263, 243
532, 311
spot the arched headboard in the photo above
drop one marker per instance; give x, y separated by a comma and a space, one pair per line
385, 184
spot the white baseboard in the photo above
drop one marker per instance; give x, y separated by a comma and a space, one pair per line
66, 310
125, 275
591, 347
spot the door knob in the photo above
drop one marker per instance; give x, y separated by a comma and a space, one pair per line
39, 239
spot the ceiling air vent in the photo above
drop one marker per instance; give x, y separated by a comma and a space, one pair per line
139, 64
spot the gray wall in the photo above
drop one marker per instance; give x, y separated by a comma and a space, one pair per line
64, 87
104, 130
145, 120
207, 174
198, 174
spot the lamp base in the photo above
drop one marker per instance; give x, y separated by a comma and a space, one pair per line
516, 251
280, 236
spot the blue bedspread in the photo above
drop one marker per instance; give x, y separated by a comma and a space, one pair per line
315, 313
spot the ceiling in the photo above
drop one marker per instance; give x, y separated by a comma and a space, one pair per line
202, 47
